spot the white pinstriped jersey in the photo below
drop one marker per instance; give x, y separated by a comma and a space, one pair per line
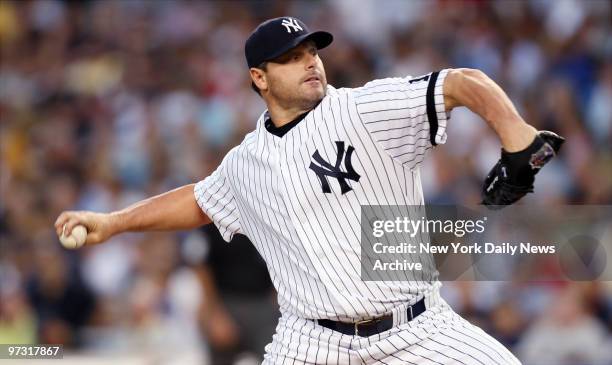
267, 189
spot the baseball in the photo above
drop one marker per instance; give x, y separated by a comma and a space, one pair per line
76, 239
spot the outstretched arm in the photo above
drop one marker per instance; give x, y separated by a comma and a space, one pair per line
476, 91
525, 150
173, 210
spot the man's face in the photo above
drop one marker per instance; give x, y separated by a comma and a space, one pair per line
297, 78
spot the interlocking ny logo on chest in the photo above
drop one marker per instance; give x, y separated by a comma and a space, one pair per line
325, 170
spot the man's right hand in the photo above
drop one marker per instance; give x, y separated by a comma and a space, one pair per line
171, 211
100, 226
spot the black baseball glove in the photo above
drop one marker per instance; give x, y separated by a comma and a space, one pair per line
513, 175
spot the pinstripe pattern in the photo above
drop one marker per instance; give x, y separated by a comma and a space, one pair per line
395, 112
438, 336
310, 240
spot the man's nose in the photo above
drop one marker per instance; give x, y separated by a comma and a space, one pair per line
310, 60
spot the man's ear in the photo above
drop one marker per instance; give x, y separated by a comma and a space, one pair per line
259, 78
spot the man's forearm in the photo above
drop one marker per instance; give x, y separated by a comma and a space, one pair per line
476, 91
174, 210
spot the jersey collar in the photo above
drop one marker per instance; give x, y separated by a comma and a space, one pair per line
281, 131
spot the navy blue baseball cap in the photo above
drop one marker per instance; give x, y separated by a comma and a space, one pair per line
276, 36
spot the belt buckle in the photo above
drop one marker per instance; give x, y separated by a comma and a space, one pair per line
357, 324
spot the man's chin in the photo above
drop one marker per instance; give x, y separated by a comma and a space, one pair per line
312, 102
315, 95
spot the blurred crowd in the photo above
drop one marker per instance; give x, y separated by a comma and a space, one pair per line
103, 103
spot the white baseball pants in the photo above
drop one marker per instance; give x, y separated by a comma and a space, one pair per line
437, 336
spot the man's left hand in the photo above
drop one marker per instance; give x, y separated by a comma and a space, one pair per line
514, 174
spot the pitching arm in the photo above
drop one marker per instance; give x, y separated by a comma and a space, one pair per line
173, 210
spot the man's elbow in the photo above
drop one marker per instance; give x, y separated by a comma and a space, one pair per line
471, 72
457, 84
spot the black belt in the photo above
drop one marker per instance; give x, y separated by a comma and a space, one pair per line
372, 326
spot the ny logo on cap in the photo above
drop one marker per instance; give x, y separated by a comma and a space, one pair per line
289, 23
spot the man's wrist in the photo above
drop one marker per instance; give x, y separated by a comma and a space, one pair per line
518, 137
116, 223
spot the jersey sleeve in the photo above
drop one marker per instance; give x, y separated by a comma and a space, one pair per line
215, 197
406, 116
